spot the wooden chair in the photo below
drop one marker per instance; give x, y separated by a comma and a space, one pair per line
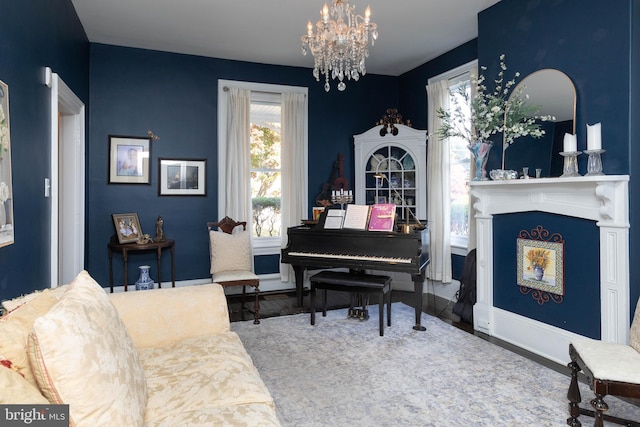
231, 258
611, 369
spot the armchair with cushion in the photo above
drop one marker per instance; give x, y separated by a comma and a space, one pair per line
611, 369
231, 257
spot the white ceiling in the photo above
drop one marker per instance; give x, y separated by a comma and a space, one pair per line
412, 32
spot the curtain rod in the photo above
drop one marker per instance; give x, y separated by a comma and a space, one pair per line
226, 89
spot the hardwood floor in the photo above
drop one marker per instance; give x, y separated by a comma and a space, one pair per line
284, 303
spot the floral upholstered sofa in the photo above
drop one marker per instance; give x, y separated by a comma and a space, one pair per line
163, 357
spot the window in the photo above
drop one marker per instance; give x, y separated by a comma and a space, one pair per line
252, 178
266, 186
459, 160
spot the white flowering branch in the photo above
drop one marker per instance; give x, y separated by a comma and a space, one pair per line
491, 113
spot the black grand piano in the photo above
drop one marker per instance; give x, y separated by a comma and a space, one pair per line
317, 248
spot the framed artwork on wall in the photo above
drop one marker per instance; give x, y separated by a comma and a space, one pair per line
127, 227
129, 159
182, 177
540, 270
6, 188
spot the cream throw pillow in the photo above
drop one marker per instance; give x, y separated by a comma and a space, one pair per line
15, 327
14, 389
82, 355
230, 251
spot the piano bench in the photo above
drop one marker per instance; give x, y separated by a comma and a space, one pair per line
355, 283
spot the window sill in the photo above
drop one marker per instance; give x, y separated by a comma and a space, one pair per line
267, 246
459, 246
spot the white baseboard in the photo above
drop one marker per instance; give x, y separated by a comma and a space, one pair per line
540, 338
268, 282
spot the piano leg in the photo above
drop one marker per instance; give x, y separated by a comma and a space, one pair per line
299, 274
418, 284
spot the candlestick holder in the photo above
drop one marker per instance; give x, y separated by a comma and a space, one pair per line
342, 199
570, 164
594, 163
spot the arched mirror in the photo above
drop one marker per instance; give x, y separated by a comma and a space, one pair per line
555, 95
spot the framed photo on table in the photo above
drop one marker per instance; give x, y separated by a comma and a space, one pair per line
129, 159
127, 227
182, 177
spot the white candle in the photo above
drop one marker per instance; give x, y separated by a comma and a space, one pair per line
570, 143
594, 137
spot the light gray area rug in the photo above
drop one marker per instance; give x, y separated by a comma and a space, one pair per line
340, 372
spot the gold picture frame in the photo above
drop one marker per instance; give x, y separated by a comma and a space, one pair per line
127, 227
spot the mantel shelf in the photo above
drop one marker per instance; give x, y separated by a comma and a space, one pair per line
600, 198
563, 182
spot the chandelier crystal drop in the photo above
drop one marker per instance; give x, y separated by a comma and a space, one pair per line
340, 45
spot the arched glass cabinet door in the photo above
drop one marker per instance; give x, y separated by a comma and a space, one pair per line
391, 178
399, 163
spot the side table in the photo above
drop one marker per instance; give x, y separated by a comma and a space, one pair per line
126, 248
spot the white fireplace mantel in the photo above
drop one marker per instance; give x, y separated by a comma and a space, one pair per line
604, 199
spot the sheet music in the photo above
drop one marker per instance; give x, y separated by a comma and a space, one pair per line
356, 217
334, 219
382, 217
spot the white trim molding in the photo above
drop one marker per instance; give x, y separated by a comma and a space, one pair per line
604, 199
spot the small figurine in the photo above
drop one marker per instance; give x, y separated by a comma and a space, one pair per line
144, 239
159, 231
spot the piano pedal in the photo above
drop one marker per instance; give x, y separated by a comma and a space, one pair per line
358, 313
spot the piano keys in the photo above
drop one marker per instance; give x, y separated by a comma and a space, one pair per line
318, 248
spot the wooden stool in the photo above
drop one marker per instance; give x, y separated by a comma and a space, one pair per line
358, 283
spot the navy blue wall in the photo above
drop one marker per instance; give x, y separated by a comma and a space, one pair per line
412, 84
174, 95
593, 42
587, 40
35, 34
133, 90
579, 311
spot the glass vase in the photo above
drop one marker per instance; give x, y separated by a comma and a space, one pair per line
480, 151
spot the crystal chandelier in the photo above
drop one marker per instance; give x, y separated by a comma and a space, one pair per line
340, 45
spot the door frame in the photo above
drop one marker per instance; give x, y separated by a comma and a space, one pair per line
68, 208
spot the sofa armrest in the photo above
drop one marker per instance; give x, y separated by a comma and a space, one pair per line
160, 317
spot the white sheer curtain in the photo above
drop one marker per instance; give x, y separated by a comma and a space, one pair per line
438, 194
238, 190
294, 172
471, 240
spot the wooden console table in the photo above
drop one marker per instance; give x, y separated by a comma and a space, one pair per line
126, 248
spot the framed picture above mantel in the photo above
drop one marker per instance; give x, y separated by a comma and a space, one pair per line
129, 159
182, 177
